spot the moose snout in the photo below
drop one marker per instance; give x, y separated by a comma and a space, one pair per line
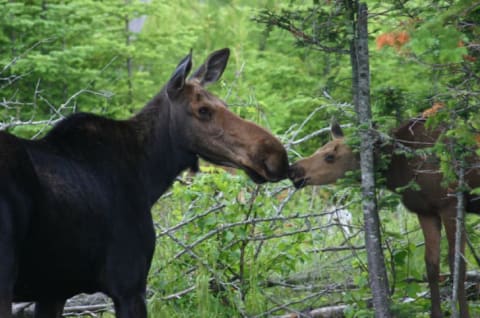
296, 174
276, 167
270, 159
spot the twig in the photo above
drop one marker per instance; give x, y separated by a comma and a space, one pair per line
287, 305
224, 227
179, 294
16, 58
189, 221
336, 249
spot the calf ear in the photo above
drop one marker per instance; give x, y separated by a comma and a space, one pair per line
336, 130
213, 67
177, 81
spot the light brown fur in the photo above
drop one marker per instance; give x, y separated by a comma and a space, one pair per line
433, 203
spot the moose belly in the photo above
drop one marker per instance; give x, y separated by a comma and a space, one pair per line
32, 287
473, 204
59, 259
57, 271
422, 203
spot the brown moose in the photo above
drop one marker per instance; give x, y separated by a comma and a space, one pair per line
433, 203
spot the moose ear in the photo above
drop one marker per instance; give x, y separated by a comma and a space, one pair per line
177, 81
336, 130
213, 67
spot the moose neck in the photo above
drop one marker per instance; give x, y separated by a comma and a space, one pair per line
400, 170
394, 177
163, 155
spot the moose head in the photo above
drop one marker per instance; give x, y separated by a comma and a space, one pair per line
329, 163
207, 128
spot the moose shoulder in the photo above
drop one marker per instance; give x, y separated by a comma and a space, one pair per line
431, 201
75, 205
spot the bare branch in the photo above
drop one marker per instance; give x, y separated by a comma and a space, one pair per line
34, 46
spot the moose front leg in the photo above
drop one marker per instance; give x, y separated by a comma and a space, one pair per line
450, 224
7, 262
6, 287
131, 307
431, 227
5, 306
49, 309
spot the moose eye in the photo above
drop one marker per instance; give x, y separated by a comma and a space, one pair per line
329, 158
204, 112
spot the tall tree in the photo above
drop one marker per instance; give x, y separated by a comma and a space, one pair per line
343, 30
361, 79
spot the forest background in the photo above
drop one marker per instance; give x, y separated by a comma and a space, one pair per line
225, 246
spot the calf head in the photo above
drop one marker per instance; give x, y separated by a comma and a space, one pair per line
205, 126
327, 164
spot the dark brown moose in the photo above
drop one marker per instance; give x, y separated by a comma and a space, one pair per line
75, 205
432, 203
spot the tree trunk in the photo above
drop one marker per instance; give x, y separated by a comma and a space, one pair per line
352, 7
129, 58
460, 231
376, 264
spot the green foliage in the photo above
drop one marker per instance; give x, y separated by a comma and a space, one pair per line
226, 250
236, 249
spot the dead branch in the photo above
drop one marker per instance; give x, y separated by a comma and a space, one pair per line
224, 227
179, 294
336, 248
27, 51
272, 19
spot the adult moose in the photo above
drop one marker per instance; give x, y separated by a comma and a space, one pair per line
432, 203
75, 205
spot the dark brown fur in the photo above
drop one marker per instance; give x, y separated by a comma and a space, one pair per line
433, 203
75, 205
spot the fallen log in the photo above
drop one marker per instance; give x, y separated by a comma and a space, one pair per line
324, 312
79, 305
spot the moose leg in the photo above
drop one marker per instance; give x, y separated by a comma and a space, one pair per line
7, 261
431, 227
6, 283
126, 285
49, 309
5, 306
130, 307
449, 222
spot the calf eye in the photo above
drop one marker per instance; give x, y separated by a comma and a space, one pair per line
329, 158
